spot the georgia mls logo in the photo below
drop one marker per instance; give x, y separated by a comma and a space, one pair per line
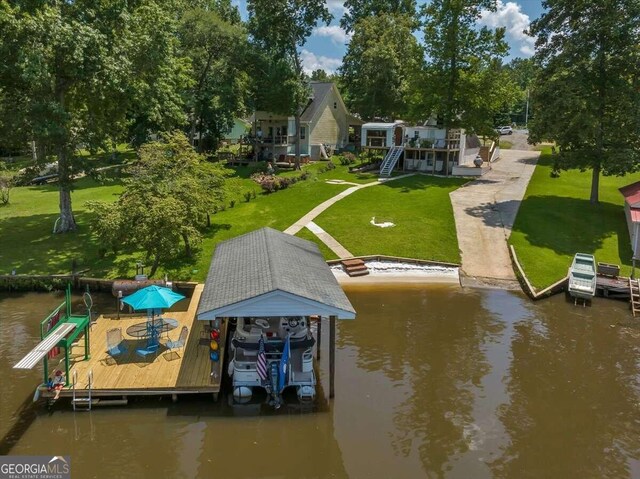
34, 467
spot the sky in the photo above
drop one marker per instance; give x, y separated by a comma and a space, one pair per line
327, 45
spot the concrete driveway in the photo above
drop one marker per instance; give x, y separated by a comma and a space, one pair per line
485, 210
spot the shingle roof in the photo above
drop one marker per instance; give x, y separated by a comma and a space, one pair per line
267, 260
319, 91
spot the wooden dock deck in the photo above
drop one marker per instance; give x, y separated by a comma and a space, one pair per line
184, 371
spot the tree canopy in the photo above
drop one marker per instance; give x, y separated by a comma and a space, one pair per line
166, 202
465, 83
356, 10
586, 94
381, 64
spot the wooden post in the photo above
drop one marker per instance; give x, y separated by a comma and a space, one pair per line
332, 355
319, 334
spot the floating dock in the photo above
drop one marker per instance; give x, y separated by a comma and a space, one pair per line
188, 370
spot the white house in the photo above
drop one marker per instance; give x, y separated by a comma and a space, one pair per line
425, 147
325, 122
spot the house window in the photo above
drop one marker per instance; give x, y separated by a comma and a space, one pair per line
303, 132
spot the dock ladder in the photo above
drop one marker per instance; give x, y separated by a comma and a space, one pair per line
634, 292
390, 161
82, 403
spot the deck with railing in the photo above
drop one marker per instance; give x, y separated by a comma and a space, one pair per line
181, 371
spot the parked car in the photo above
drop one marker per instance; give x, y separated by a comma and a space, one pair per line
505, 130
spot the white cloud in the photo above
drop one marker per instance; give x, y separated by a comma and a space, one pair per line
311, 61
336, 7
334, 32
510, 15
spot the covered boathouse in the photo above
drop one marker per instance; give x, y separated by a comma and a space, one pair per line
270, 273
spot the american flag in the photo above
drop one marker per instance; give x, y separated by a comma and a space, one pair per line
261, 363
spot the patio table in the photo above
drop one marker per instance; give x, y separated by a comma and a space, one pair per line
160, 325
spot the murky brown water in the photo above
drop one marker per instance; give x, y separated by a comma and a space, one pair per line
431, 382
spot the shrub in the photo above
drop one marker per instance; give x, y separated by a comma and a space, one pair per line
232, 203
253, 194
304, 176
247, 196
347, 158
331, 165
268, 183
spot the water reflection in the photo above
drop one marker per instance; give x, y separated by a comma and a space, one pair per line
573, 407
433, 382
438, 356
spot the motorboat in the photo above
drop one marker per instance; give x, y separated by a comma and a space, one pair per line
274, 331
582, 277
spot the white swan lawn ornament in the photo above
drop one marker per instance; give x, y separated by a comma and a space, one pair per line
386, 224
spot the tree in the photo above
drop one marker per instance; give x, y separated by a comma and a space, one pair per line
216, 43
587, 94
79, 73
319, 75
381, 62
356, 10
281, 28
522, 71
167, 201
465, 83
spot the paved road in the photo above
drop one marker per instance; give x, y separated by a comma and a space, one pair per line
518, 140
485, 210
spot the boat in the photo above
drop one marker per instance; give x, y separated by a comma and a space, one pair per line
274, 331
582, 277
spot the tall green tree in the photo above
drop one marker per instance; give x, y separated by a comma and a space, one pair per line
359, 9
80, 74
465, 83
281, 28
215, 41
166, 202
380, 66
587, 94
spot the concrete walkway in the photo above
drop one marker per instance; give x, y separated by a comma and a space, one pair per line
315, 212
329, 240
485, 211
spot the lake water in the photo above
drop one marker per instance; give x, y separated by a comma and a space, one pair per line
431, 382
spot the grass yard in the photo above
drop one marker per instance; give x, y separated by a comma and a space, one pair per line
418, 205
556, 220
28, 244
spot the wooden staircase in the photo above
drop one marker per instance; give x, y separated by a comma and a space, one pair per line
355, 267
634, 291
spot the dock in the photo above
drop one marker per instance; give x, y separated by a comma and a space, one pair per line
169, 373
614, 288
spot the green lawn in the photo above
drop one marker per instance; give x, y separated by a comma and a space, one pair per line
556, 220
28, 244
418, 205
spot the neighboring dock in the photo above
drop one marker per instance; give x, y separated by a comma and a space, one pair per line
169, 373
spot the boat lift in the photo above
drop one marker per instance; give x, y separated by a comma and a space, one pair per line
62, 335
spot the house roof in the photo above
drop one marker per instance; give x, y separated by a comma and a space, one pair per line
382, 126
631, 194
319, 90
270, 273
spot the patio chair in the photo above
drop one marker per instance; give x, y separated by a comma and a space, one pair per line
181, 341
144, 352
115, 344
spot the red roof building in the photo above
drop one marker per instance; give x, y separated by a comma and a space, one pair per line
631, 195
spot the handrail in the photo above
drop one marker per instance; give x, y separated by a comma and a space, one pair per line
52, 314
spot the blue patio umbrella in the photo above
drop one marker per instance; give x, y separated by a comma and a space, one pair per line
152, 298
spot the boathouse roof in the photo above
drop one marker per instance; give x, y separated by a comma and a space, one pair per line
269, 273
631, 195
